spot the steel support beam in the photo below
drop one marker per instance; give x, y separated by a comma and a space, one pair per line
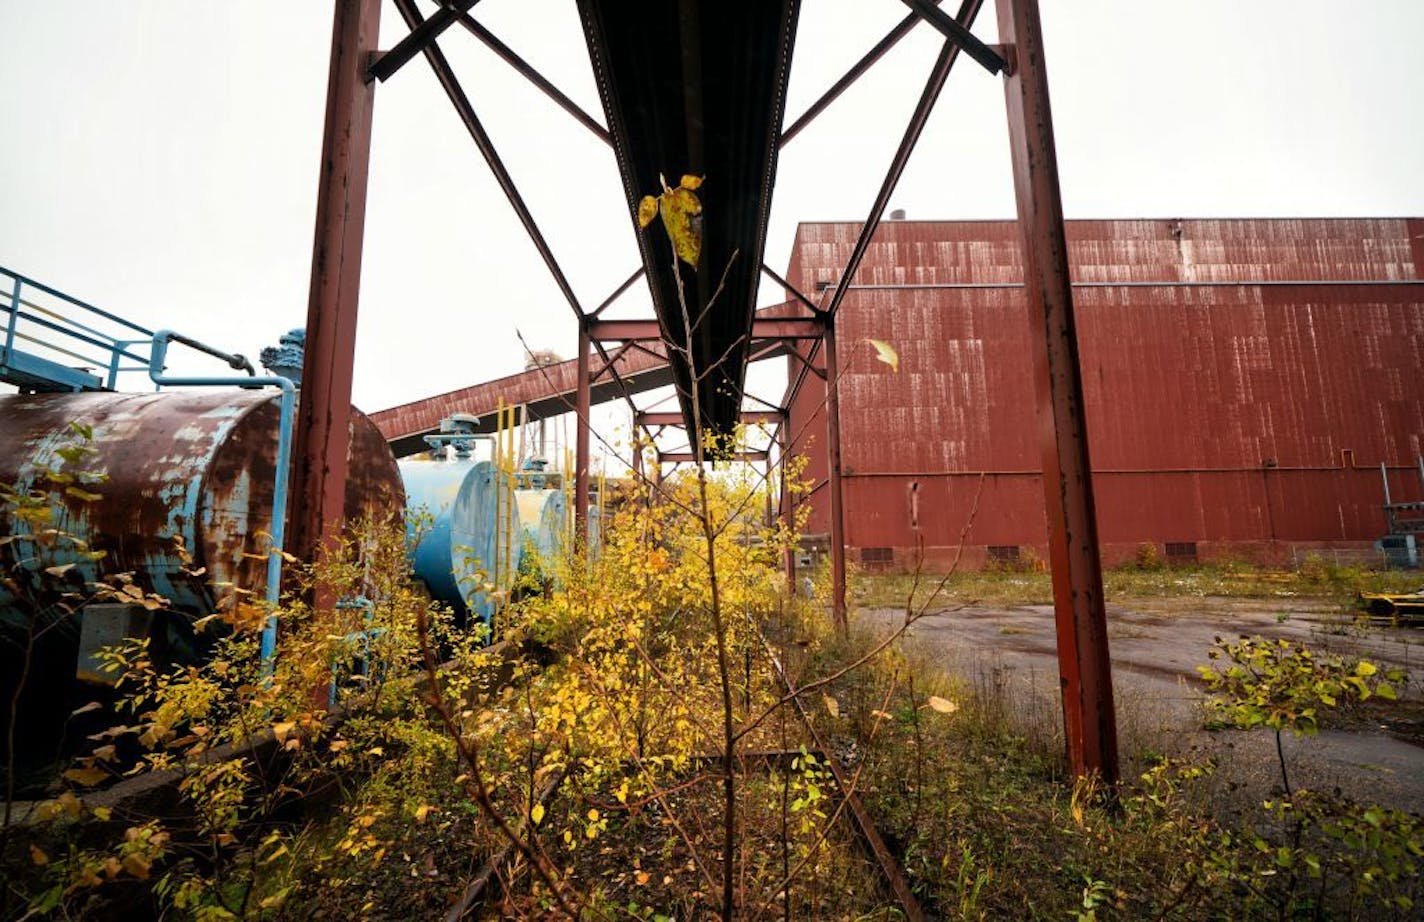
1084, 668
582, 404
618, 292
788, 516
456, 94
690, 457
968, 10
420, 38
768, 519
323, 421
840, 86
664, 418
781, 328
795, 293
960, 35
833, 451
530, 73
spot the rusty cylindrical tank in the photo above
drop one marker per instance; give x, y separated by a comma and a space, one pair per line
196, 465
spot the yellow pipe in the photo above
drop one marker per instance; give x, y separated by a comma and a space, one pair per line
510, 464
496, 572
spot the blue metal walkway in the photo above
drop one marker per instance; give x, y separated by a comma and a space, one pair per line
58, 343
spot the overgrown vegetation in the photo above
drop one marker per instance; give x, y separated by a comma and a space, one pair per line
593, 735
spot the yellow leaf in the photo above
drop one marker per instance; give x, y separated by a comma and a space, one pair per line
833, 707
647, 210
276, 900
886, 353
681, 211
537, 814
642, 877
283, 729
39, 858
70, 804
86, 776
593, 816
59, 570
943, 705
422, 811
691, 182
137, 865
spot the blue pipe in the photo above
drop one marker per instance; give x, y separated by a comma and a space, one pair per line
284, 459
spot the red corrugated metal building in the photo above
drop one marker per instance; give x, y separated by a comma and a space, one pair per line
1244, 381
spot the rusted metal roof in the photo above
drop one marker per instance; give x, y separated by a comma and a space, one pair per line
699, 87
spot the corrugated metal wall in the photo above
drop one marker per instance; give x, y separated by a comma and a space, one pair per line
1245, 417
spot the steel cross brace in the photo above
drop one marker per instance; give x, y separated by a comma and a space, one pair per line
421, 37
466, 111
968, 10
959, 34
844, 83
690, 457
777, 328
663, 418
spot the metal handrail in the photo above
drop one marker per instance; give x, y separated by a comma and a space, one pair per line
112, 347
70, 330
76, 302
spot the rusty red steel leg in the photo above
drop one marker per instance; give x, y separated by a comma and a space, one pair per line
1084, 669
581, 442
788, 514
323, 418
833, 449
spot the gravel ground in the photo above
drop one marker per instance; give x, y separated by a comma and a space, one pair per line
1156, 645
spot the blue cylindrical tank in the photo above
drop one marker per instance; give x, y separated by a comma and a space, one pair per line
454, 548
542, 524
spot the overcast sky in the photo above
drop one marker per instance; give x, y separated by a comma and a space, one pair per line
160, 156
